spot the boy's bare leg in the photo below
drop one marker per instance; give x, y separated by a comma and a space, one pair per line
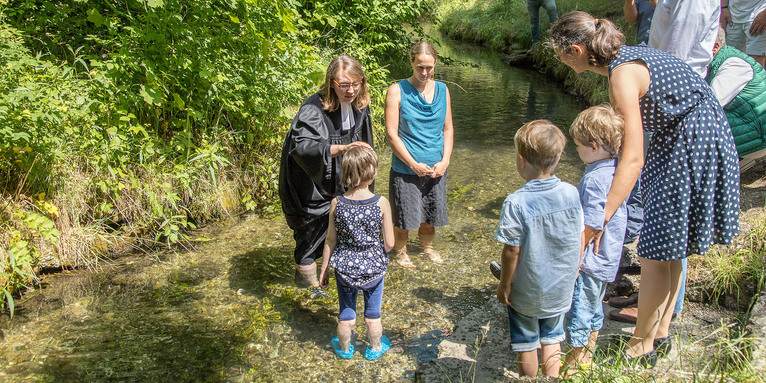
400, 247
374, 331
345, 328
581, 356
587, 356
551, 355
527, 363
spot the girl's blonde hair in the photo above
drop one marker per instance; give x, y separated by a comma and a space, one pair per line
354, 70
600, 37
359, 165
601, 125
541, 143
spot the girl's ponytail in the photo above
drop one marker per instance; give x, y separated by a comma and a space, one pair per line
600, 37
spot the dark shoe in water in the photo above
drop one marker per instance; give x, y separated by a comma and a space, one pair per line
495, 268
317, 293
663, 346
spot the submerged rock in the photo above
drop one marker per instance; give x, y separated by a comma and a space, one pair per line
521, 59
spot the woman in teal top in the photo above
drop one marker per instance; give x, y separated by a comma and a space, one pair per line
419, 129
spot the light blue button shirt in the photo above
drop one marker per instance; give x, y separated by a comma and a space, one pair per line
545, 219
593, 188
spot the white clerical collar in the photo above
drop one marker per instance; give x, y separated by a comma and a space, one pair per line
347, 115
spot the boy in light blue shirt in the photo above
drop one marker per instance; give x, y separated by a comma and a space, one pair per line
598, 133
541, 227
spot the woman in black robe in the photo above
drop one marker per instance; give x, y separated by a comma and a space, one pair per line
329, 122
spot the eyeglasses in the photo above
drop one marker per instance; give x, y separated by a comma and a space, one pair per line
346, 86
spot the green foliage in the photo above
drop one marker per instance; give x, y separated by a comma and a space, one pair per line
146, 116
730, 271
26, 231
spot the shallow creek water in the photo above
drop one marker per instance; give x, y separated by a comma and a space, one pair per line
228, 310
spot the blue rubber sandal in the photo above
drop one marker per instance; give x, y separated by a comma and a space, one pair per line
385, 345
335, 343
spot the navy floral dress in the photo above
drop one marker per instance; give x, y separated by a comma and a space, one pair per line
690, 180
359, 256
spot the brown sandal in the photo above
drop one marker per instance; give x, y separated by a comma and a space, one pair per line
627, 315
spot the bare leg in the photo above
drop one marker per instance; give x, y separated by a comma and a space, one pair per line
551, 356
400, 247
582, 356
308, 274
527, 363
667, 315
656, 297
587, 357
426, 233
345, 328
374, 331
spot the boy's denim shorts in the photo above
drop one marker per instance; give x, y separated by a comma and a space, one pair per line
528, 333
587, 312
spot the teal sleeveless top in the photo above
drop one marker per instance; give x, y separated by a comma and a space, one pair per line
421, 125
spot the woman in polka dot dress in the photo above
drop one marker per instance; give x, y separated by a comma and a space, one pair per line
361, 233
690, 180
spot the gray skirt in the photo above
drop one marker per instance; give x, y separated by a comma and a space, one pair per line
415, 200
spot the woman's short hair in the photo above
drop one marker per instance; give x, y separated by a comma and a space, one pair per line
600, 37
354, 70
541, 143
601, 125
423, 48
359, 164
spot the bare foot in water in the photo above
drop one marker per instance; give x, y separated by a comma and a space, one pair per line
434, 256
404, 260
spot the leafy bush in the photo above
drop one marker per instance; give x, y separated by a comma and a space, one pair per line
138, 118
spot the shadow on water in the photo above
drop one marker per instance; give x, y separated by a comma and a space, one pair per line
121, 330
264, 273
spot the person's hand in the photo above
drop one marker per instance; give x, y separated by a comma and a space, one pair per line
358, 143
439, 169
324, 279
502, 294
422, 170
653, 2
593, 236
759, 24
726, 18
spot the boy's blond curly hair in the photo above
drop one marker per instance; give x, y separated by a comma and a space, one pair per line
541, 143
601, 125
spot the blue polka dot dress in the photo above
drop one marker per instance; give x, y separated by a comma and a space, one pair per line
690, 180
359, 257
